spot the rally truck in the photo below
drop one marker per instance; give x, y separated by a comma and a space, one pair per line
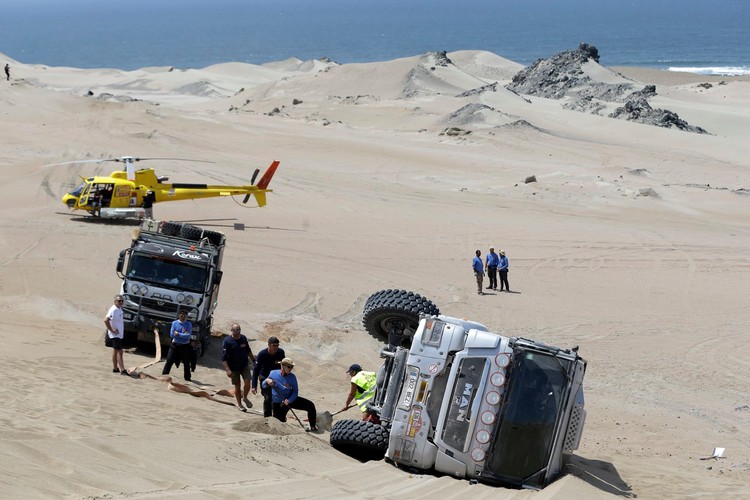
456, 398
170, 267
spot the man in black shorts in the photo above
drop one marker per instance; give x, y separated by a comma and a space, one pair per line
115, 333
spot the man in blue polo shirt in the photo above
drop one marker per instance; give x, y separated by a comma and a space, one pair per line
490, 266
478, 267
180, 350
285, 393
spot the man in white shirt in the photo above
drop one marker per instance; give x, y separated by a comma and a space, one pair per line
116, 332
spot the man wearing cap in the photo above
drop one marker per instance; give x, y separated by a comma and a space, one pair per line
269, 359
503, 268
285, 394
490, 266
236, 356
362, 388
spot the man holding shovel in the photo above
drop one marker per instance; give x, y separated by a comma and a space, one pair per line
361, 389
285, 394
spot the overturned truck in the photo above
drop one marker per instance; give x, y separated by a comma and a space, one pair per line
456, 398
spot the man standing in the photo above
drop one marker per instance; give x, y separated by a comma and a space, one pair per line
116, 332
7, 72
503, 267
269, 359
491, 267
180, 350
362, 388
237, 355
283, 384
478, 268
148, 204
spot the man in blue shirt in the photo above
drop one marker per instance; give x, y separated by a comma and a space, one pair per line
180, 350
237, 355
283, 384
478, 268
491, 267
503, 268
269, 359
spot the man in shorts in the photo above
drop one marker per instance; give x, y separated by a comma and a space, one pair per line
237, 356
116, 332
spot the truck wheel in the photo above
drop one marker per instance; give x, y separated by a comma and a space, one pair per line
359, 439
192, 233
171, 228
196, 233
396, 310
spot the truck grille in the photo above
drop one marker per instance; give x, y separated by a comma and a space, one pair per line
575, 428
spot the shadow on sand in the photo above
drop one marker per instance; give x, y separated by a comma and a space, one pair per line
600, 474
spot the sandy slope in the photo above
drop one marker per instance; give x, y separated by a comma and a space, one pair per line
632, 245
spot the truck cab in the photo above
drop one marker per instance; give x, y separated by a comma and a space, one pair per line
170, 267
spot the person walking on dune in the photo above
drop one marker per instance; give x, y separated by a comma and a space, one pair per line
478, 267
237, 356
503, 268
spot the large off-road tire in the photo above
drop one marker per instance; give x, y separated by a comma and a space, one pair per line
171, 228
395, 309
359, 439
195, 233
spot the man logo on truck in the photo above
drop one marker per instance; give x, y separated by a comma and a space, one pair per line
462, 402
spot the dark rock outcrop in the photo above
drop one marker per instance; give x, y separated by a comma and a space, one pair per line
562, 77
639, 110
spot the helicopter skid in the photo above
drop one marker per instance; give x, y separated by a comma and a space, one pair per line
123, 213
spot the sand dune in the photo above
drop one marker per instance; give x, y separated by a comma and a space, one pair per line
632, 244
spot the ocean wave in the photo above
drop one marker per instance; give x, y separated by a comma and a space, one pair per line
713, 70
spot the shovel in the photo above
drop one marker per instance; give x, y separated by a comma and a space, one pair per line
325, 419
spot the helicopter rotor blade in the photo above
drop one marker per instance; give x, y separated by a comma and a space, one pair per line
255, 174
102, 160
129, 168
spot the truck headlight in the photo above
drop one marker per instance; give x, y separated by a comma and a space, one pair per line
433, 332
478, 455
483, 436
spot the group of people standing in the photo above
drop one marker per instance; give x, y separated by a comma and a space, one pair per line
493, 265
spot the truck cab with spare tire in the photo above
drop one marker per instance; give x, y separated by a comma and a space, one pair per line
458, 399
169, 267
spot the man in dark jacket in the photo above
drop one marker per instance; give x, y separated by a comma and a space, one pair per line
269, 359
237, 356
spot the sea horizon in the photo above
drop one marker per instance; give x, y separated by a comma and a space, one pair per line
696, 36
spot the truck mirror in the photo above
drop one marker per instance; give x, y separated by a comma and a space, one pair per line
217, 277
121, 261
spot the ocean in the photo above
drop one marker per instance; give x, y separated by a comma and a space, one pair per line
700, 36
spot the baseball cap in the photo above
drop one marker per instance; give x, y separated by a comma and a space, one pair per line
354, 368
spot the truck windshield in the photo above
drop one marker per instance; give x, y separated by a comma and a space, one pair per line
167, 272
523, 441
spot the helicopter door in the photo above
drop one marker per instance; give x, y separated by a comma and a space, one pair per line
83, 198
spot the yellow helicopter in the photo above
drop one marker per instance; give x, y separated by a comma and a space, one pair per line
131, 193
